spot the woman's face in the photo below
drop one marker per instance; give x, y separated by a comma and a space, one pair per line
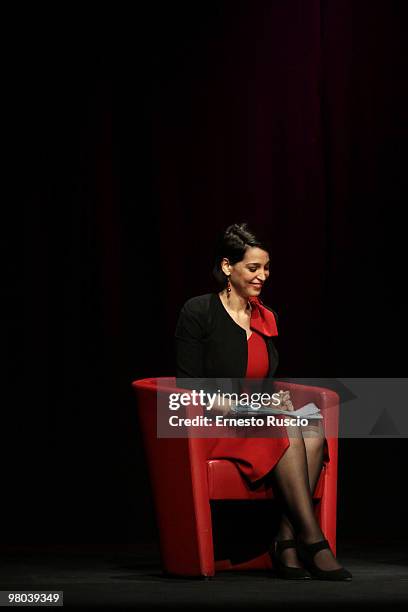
248, 276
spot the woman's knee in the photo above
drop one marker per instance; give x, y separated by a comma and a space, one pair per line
313, 430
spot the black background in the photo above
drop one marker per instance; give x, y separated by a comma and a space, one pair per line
137, 137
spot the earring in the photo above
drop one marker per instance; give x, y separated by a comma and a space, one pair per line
228, 287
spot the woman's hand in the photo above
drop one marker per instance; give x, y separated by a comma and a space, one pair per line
285, 401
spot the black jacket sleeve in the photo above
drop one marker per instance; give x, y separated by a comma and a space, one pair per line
189, 337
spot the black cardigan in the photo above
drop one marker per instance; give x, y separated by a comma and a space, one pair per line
210, 345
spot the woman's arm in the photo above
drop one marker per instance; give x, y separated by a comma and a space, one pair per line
189, 343
189, 347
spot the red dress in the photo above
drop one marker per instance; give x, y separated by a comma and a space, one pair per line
255, 457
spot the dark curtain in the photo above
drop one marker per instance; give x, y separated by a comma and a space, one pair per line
136, 139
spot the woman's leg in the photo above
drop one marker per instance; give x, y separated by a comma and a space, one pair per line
314, 443
291, 476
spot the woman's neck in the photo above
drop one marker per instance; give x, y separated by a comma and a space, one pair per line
235, 303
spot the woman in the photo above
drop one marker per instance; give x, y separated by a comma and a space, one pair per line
230, 334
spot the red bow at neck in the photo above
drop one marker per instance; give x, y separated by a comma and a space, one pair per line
262, 319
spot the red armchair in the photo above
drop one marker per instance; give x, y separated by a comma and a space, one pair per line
184, 482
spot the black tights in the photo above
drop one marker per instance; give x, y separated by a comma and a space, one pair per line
291, 479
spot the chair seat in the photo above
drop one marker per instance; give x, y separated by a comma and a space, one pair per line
225, 481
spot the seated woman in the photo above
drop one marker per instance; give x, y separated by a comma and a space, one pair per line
230, 334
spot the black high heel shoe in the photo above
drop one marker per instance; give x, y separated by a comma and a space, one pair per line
282, 570
306, 553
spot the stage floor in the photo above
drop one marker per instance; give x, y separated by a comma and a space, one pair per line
108, 578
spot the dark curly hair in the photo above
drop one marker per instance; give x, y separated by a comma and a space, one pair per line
232, 244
